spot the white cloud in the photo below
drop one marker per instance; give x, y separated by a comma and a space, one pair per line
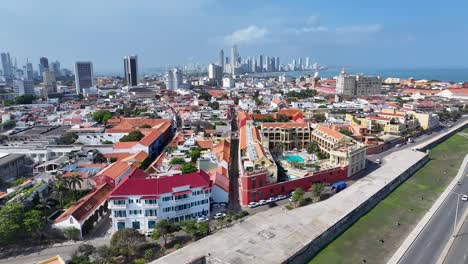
374, 28
246, 35
313, 20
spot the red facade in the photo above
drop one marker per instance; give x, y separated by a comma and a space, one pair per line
255, 188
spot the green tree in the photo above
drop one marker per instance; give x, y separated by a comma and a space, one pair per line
107, 142
205, 96
164, 229
176, 160
11, 219
25, 99
282, 118
145, 126
214, 105
101, 116
190, 227
34, 222
99, 158
59, 189
125, 241
67, 138
194, 154
346, 132
320, 118
312, 147
139, 261
297, 196
317, 188
148, 255
74, 181
132, 136
188, 168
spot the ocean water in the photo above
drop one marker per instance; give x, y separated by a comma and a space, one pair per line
446, 75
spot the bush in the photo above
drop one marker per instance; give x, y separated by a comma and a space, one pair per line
175, 161
107, 142
17, 182
139, 261
125, 241
132, 137
177, 246
288, 206
71, 233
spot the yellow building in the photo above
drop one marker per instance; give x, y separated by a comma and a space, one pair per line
292, 135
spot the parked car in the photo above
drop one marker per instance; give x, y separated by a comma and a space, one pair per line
262, 202
465, 198
270, 200
398, 145
281, 197
272, 205
202, 219
219, 215
252, 205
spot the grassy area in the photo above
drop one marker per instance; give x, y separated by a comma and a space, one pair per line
378, 234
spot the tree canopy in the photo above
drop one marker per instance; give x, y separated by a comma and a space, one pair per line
188, 168
101, 116
132, 136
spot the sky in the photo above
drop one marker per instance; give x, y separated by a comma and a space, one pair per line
359, 33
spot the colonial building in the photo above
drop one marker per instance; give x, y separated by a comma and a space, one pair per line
291, 135
139, 201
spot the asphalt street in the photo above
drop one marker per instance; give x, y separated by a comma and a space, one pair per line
432, 240
458, 252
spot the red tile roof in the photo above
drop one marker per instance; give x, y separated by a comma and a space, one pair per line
156, 186
87, 204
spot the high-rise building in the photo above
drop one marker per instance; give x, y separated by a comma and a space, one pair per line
173, 79
307, 63
260, 63
6, 65
23, 87
29, 70
131, 70
49, 82
234, 58
55, 67
215, 72
84, 76
221, 58
299, 61
357, 85
277, 63
44, 62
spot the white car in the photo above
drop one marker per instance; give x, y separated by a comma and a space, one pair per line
252, 205
219, 215
465, 198
270, 200
202, 219
377, 161
262, 202
281, 197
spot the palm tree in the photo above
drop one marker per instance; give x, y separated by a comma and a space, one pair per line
73, 181
44, 205
59, 187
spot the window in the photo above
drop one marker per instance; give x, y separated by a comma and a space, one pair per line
260, 183
151, 224
152, 201
138, 201
167, 198
119, 202
136, 225
130, 201
120, 225
180, 197
120, 213
282, 189
134, 212
151, 212
253, 183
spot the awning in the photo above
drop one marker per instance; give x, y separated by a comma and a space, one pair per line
182, 192
150, 197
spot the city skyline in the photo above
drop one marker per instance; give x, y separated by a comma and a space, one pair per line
327, 33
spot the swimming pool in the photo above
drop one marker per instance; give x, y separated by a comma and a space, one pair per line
294, 158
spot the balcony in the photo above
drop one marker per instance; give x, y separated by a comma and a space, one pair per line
149, 205
183, 212
117, 206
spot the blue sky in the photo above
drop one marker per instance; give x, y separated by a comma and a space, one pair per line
359, 33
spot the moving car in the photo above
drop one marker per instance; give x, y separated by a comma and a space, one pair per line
465, 198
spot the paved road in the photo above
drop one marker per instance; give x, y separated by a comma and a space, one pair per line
459, 252
234, 202
432, 240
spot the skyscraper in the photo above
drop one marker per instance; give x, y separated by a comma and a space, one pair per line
174, 79
307, 63
260, 64
6, 65
278, 68
131, 70
29, 70
44, 62
84, 76
299, 62
234, 58
55, 67
215, 72
221, 59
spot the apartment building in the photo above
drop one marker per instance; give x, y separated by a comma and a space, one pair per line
343, 150
292, 135
139, 201
358, 85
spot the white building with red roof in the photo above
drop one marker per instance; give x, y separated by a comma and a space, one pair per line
139, 202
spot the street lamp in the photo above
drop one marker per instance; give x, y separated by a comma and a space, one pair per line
456, 213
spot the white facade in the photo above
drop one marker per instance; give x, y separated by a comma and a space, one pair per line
143, 212
215, 72
228, 83
358, 85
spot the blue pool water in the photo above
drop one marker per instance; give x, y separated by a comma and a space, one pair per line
294, 158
